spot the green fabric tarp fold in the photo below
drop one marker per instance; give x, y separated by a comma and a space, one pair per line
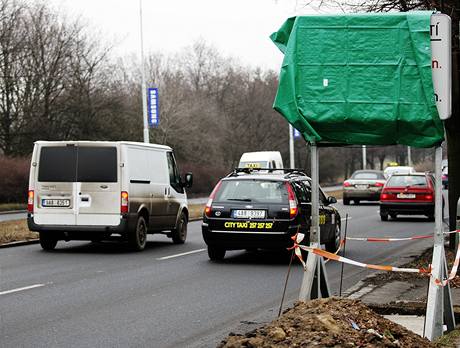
359, 79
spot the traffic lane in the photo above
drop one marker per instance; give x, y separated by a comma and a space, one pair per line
135, 299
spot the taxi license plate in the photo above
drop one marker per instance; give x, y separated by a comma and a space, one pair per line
406, 195
249, 214
53, 203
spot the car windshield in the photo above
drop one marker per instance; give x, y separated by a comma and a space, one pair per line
407, 180
255, 191
368, 176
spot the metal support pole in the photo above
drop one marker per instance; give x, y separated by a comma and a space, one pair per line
409, 157
364, 157
312, 260
143, 84
437, 295
291, 147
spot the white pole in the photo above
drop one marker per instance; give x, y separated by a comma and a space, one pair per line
143, 85
434, 308
409, 157
291, 147
364, 157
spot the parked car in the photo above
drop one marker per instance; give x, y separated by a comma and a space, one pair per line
388, 171
408, 194
88, 190
445, 177
259, 209
261, 159
363, 185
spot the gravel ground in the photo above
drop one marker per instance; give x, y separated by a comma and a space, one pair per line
330, 322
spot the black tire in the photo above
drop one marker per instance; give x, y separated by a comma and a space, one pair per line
179, 234
333, 245
383, 217
47, 242
137, 238
216, 253
430, 217
393, 216
346, 201
356, 201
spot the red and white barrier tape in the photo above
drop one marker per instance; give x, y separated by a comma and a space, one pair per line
391, 239
298, 238
452, 273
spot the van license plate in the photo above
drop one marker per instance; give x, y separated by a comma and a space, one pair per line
55, 203
406, 195
249, 214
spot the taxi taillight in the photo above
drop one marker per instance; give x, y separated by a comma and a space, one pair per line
293, 209
30, 201
124, 202
208, 209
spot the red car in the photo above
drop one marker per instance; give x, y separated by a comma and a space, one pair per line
408, 194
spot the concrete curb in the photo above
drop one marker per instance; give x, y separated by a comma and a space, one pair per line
19, 243
9, 212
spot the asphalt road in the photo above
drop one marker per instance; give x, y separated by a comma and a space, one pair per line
102, 295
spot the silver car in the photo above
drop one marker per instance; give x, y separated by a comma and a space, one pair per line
363, 185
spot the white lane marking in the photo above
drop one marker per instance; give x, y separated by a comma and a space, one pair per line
349, 218
179, 255
21, 289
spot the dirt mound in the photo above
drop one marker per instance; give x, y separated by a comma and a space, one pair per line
331, 322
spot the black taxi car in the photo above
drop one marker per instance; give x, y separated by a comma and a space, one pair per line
264, 208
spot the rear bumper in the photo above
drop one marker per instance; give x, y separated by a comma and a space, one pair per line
236, 240
365, 195
407, 208
76, 231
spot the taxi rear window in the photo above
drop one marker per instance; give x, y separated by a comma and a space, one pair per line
252, 191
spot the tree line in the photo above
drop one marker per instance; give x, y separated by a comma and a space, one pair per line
58, 81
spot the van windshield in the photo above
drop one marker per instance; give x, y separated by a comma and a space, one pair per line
78, 164
255, 191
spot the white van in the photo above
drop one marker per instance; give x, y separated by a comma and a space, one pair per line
89, 190
261, 159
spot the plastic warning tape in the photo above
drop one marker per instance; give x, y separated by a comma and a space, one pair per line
391, 239
298, 238
452, 273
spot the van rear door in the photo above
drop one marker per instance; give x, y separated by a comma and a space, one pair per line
55, 185
98, 186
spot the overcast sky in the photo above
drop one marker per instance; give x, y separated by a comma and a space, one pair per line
239, 28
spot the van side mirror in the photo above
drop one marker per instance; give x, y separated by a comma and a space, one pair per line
331, 200
188, 180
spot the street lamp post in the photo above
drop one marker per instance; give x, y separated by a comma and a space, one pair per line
143, 84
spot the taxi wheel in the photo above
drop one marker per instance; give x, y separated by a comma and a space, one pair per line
334, 244
47, 242
179, 235
216, 253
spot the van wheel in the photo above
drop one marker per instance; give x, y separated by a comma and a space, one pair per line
47, 242
179, 234
137, 239
216, 253
334, 244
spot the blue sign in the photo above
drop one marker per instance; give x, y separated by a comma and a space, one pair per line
296, 133
152, 104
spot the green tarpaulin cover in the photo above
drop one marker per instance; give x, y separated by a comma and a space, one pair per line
359, 79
